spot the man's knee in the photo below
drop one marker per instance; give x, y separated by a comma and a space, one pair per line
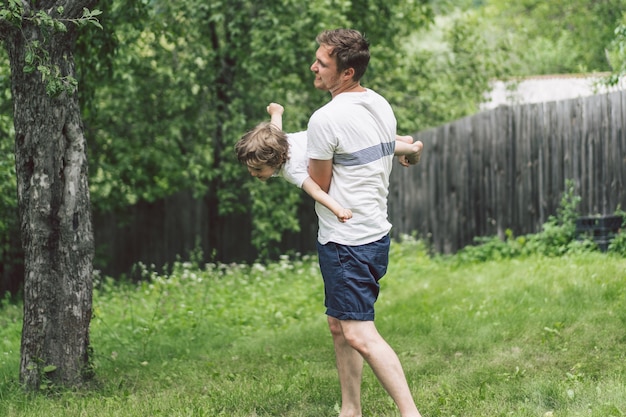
361, 335
335, 327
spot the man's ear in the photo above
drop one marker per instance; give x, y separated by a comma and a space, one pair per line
348, 73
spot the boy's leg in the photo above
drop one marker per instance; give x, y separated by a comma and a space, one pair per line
364, 338
408, 153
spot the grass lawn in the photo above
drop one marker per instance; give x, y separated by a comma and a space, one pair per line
539, 336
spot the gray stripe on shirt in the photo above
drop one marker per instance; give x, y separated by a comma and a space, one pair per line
365, 156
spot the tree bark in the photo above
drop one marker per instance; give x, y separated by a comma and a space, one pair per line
54, 209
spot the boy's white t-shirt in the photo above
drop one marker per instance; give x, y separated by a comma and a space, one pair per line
357, 131
296, 168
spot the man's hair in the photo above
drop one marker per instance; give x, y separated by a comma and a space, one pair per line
266, 144
349, 47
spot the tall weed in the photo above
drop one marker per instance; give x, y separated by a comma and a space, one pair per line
618, 243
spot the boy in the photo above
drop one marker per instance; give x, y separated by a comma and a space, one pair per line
267, 151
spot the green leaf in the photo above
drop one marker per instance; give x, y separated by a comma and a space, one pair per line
49, 368
96, 24
60, 26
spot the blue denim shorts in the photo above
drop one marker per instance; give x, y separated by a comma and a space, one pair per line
351, 275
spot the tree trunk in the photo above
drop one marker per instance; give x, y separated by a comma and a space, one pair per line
55, 214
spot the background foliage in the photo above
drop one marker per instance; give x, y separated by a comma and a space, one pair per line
551, 37
10, 251
184, 86
167, 88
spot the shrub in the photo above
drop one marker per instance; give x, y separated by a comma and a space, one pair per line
557, 237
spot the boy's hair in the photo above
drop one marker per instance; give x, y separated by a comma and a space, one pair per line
349, 47
266, 144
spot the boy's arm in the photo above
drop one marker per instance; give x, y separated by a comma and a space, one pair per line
327, 201
275, 111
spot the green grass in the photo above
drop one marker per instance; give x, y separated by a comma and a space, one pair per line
538, 336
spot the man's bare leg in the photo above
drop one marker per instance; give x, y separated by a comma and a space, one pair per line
363, 337
350, 370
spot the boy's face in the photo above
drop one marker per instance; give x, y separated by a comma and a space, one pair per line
260, 171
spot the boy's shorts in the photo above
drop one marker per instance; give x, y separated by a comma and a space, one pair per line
351, 275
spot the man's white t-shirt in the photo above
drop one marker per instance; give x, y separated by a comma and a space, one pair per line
357, 131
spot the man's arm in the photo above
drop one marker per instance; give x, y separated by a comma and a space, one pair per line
321, 171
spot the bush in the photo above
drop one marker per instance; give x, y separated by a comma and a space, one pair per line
557, 238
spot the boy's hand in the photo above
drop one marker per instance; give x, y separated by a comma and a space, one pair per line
344, 215
275, 109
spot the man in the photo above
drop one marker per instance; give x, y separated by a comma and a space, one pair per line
351, 148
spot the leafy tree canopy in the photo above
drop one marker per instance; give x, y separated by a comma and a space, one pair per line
552, 37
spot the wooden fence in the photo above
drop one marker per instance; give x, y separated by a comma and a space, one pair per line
506, 168
500, 169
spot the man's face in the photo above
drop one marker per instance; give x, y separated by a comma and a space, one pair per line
325, 68
260, 171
